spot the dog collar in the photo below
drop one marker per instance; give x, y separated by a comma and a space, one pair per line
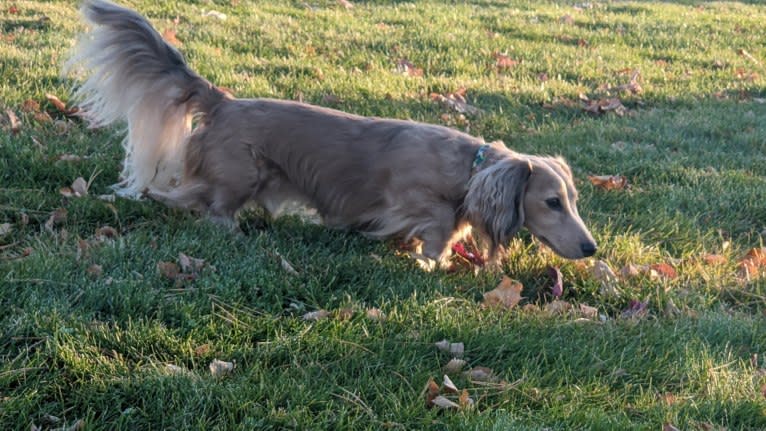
480, 157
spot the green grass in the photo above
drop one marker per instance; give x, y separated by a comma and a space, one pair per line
693, 146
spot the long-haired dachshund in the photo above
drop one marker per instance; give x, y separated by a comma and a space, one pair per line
191, 145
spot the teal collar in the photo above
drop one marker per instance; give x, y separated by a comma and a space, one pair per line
480, 157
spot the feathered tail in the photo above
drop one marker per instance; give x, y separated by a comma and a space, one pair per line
133, 75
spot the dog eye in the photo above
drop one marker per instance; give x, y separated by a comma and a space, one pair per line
554, 204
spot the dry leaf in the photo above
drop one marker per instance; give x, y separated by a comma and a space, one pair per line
190, 264
431, 391
14, 121
444, 403
170, 37
56, 218
406, 67
633, 86
604, 274
714, 259
670, 309
220, 368
747, 55
95, 270
30, 106
630, 270
168, 270
481, 374
558, 281
567, 19
465, 401
609, 182
107, 198
588, 312
507, 294
456, 101
603, 106
316, 315
287, 266
751, 265
449, 386
346, 4
61, 106
664, 270
636, 309
375, 315
202, 350
669, 427
215, 14
345, 313
5, 229
503, 61
558, 306
454, 365
456, 349
106, 232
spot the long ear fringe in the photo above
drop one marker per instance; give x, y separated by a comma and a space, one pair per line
494, 204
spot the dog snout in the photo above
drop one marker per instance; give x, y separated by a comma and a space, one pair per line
588, 248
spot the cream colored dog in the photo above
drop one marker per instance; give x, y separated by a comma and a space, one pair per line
382, 177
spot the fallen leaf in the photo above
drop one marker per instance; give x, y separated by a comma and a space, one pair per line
503, 61
456, 349
106, 232
669, 427
633, 85
345, 313
449, 386
346, 4
287, 266
609, 182
168, 270
202, 350
557, 306
751, 265
605, 105
69, 158
220, 368
431, 391
567, 19
215, 14
170, 37
507, 294
664, 270
316, 315
61, 106
5, 229
714, 259
636, 309
747, 55
588, 312
465, 401
14, 121
481, 374
375, 315
95, 270
444, 403
604, 274
30, 106
454, 365
630, 270
190, 264
107, 198
56, 218
456, 101
406, 67
558, 282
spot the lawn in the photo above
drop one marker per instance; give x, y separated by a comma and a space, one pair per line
97, 332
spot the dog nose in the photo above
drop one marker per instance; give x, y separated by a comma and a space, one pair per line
588, 248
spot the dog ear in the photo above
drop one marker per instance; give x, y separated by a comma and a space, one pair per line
495, 200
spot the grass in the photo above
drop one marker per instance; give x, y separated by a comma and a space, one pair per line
96, 347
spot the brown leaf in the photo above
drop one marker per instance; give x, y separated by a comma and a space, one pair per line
444, 403
61, 106
602, 106
454, 365
202, 350
375, 315
168, 270
56, 218
455, 349
507, 294
406, 67
664, 270
588, 312
220, 368
567, 19
316, 315
456, 101
636, 310
669, 427
345, 313
465, 401
286, 265
30, 106
714, 259
95, 270
604, 274
752, 264
481, 374
609, 182
449, 386
431, 391
557, 306
747, 55
190, 264
346, 4
14, 121
106, 232
503, 61
170, 37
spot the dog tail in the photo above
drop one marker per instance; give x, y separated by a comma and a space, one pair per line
133, 75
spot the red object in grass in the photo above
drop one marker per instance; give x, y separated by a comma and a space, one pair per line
473, 257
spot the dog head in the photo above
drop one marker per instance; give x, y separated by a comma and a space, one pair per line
534, 192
